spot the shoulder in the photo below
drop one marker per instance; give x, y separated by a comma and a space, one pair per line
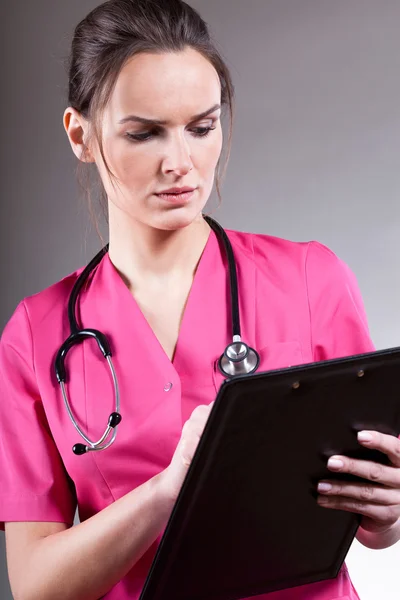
37, 310
314, 277
308, 258
53, 297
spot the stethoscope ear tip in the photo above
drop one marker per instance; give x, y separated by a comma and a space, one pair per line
79, 449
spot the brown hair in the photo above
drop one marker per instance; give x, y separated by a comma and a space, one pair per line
117, 30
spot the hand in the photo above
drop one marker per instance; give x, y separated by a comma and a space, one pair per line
379, 500
192, 430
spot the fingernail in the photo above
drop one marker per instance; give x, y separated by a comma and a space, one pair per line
335, 463
364, 436
324, 487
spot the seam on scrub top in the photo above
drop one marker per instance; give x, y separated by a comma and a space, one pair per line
308, 299
240, 248
86, 404
46, 422
31, 337
94, 461
18, 353
84, 386
354, 291
102, 476
255, 290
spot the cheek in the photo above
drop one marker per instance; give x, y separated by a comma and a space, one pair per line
133, 168
210, 154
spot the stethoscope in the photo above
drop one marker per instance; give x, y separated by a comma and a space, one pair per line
237, 359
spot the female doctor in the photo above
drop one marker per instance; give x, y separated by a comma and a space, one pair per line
146, 91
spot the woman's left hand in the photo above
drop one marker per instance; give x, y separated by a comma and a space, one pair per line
378, 499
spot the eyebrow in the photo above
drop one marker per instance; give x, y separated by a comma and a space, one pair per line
137, 119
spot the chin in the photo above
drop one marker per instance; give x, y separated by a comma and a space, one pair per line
177, 218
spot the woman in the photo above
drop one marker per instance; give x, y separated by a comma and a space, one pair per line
146, 91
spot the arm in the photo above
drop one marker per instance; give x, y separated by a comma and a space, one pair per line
37, 502
85, 561
378, 541
339, 327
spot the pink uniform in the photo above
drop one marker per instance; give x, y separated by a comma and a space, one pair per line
298, 303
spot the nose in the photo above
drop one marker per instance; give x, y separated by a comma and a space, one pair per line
178, 156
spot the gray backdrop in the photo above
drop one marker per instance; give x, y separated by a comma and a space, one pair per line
316, 155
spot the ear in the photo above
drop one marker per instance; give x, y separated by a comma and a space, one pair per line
76, 127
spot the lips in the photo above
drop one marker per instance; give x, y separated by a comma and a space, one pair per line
176, 191
180, 198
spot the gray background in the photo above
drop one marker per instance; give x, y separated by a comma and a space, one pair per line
316, 155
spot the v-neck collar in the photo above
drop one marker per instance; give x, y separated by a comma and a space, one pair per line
206, 327
117, 286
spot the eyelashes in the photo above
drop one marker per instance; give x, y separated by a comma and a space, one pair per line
199, 132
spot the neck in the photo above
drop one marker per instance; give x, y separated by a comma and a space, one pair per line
146, 255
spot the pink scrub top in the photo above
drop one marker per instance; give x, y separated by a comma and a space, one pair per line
298, 303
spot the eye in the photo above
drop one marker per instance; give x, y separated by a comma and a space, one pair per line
201, 132
139, 137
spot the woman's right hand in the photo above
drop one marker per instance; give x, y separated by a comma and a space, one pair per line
174, 474
145, 510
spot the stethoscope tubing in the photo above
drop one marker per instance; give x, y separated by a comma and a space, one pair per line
237, 359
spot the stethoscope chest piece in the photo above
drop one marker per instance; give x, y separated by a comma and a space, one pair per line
238, 359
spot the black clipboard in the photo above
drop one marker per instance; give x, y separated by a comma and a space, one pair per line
246, 521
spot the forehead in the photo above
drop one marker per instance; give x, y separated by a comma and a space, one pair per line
164, 86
